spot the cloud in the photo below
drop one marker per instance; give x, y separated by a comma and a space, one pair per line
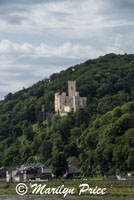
65, 50
38, 38
73, 17
25, 63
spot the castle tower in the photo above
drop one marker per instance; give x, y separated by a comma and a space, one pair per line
71, 88
57, 102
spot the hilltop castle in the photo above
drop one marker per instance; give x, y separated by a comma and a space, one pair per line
70, 103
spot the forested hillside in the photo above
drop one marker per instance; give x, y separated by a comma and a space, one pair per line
104, 129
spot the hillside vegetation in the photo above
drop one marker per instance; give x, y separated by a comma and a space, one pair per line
104, 129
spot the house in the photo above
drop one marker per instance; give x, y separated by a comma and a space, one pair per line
2, 174
70, 103
72, 167
19, 177
121, 177
28, 172
130, 176
10, 174
73, 161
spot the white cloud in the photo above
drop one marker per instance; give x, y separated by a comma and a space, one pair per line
24, 64
43, 37
65, 50
73, 18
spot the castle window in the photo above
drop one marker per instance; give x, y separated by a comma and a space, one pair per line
72, 88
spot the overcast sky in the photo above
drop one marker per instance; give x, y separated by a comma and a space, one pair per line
40, 37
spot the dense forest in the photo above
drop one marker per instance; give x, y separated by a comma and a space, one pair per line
101, 135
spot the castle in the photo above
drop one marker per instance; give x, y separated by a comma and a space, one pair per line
70, 103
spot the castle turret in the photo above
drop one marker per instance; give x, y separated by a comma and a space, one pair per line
71, 88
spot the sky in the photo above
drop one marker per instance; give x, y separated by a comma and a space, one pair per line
41, 37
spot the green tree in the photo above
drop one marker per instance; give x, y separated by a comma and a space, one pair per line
59, 163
